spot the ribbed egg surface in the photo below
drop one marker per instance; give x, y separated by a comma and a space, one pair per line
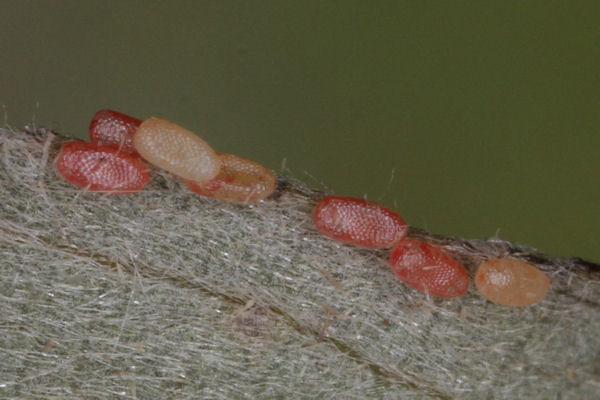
511, 282
239, 180
428, 268
101, 168
112, 128
359, 222
177, 150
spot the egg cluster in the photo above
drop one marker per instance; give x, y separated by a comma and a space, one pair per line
114, 162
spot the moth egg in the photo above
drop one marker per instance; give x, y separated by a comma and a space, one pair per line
239, 180
101, 168
359, 222
511, 282
428, 268
112, 128
177, 150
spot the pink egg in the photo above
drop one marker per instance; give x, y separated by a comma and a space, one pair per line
175, 149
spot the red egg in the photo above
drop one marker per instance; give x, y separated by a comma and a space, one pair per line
101, 168
239, 180
511, 282
428, 268
359, 222
112, 128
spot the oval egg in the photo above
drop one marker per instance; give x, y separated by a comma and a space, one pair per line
177, 150
511, 282
359, 222
101, 168
239, 180
112, 128
428, 268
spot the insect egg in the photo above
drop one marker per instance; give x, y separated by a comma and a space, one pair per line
239, 180
511, 282
359, 222
101, 168
428, 268
113, 128
177, 150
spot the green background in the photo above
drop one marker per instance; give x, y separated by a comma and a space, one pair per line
470, 118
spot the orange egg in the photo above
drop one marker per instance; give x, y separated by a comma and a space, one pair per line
239, 180
511, 282
175, 149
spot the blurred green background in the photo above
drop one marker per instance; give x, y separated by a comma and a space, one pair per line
471, 118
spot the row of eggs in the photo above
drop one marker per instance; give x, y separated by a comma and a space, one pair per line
422, 265
113, 162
